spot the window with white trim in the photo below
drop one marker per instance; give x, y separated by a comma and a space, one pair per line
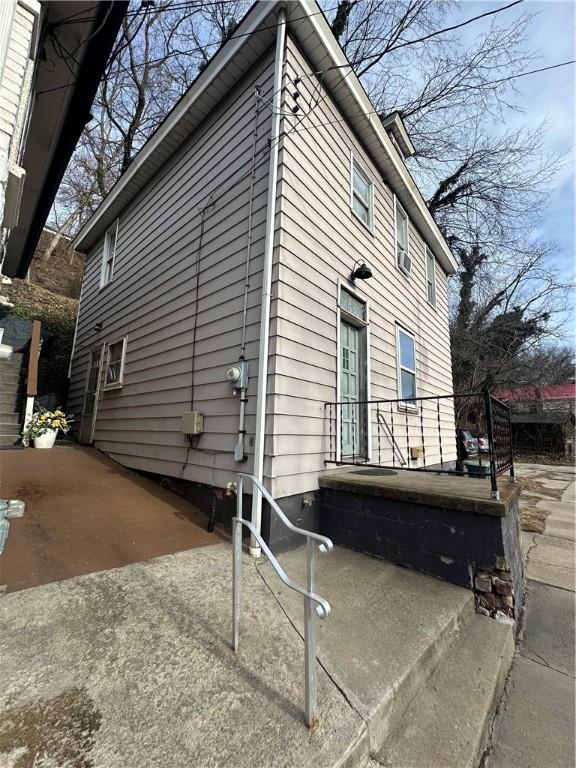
362, 194
406, 351
403, 259
430, 276
115, 361
109, 254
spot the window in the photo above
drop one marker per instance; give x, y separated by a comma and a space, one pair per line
109, 254
403, 259
352, 305
430, 276
406, 366
361, 194
115, 359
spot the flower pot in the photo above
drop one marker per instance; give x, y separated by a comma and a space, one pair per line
478, 470
46, 440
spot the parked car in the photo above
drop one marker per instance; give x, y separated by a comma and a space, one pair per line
483, 445
468, 445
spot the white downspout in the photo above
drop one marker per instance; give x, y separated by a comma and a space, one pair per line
267, 279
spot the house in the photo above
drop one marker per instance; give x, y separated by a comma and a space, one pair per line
45, 101
219, 317
52, 57
542, 418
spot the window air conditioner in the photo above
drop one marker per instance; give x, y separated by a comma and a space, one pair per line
404, 260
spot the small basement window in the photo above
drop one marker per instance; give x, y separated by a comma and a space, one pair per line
403, 259
361, 194
115, 360
406, 349
109, 254
430, 276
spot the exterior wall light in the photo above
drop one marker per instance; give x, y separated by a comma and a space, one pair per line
360, 271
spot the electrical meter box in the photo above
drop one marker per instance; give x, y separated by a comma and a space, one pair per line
237, 375
192, 423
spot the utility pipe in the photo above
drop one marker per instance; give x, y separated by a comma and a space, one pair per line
267, 281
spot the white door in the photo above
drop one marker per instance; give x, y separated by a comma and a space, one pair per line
352, 388
90, 406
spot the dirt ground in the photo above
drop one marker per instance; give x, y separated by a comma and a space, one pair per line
86, 513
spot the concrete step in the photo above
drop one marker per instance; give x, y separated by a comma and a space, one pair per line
7, 417
388, 630
10, 378
16, 362
10, 401
448, 723
9, 427
208, 707
7, 440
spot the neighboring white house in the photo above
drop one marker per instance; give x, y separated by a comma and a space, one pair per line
19, 23
45, 100
218, 316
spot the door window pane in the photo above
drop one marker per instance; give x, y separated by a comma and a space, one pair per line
352, 305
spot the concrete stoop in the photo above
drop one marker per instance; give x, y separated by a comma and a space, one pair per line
448, 723
410, 655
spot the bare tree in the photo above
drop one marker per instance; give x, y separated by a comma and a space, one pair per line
486, 183
160, 50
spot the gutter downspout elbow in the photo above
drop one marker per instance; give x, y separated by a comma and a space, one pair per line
260, 432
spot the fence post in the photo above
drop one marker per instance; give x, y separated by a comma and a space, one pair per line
310, 639
32, 376
495, 494
512, 475
237, 566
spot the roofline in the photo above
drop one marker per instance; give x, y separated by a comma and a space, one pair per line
394, 123
314, 16
254, 17
442, 251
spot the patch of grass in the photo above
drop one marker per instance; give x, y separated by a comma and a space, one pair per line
538, 489
533, 519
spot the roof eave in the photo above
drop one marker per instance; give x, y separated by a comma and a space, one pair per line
90, 231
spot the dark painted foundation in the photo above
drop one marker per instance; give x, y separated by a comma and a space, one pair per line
465, 541
303, 510
451, 543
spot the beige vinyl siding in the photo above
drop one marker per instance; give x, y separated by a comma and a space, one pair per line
320, 239
151, 299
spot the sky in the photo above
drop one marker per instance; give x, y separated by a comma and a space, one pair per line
545, 96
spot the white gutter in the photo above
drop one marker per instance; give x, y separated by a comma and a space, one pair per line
260, 431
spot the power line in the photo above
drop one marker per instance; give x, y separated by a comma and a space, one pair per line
234, 37
489, 82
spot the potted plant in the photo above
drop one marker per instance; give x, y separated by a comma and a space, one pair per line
43, 428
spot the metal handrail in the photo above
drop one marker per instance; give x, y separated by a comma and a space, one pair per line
325, 543
314, 605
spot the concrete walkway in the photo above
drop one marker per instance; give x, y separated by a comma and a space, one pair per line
85, 513
535, 725
132, 668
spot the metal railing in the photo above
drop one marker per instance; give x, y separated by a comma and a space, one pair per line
421, 434
314, 605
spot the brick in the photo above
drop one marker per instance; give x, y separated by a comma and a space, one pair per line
503, 587
483, 583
